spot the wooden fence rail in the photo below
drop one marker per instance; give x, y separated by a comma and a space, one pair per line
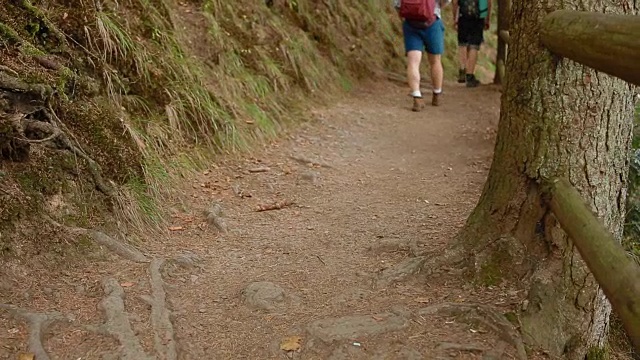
606, 42
609, 43
617, 274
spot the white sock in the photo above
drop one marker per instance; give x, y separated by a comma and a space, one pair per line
437, 91
416, 93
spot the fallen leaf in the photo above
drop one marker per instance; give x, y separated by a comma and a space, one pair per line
175, 228
292, 343
422, 300
27, 356
377, 318
127, 284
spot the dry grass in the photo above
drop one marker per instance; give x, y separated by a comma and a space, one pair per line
258, 66
186, 81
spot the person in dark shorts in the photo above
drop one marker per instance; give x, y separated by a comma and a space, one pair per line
471, 18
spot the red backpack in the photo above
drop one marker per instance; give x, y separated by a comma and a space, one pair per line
418, 10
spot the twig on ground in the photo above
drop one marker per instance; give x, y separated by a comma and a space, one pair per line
275, 206
306, 161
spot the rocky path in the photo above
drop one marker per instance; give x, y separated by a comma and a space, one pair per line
310, 249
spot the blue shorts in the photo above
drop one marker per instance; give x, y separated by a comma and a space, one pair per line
431, 38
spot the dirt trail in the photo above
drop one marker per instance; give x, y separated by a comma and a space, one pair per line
387, 185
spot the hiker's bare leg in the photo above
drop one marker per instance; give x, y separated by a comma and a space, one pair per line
437, 72
472, 58
462, 56
413, 69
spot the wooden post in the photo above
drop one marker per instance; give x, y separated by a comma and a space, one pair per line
605, 42
503, 24
617, 274
501, 70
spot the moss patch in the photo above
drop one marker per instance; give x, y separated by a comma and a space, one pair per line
596, 353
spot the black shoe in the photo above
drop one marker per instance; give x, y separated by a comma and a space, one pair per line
461, 76
471, 80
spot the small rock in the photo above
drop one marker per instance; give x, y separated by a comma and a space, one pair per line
264, 295
391, 245
309, 175
356, 326
215, 215
400, 271
80, 289
47, 291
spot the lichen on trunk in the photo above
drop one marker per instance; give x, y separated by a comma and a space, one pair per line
558, 119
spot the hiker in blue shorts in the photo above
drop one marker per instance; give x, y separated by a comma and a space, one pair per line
471, 18
418, 36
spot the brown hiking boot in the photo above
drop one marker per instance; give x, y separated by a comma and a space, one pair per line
418, 104
435, 99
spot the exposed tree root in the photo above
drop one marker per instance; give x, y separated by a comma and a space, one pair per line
122, 249
425, 264
117, 322
11, 146
38, 14
165, 343
400, 271
38, 323
481, 315
8, 70
125, 250
28, 99
39, 91
62, 141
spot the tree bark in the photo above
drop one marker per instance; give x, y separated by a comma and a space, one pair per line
558, 119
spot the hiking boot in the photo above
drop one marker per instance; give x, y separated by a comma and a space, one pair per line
462, 76
472, 81
418, 104
435, 99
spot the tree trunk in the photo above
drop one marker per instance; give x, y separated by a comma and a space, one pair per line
503, 24
558, 119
